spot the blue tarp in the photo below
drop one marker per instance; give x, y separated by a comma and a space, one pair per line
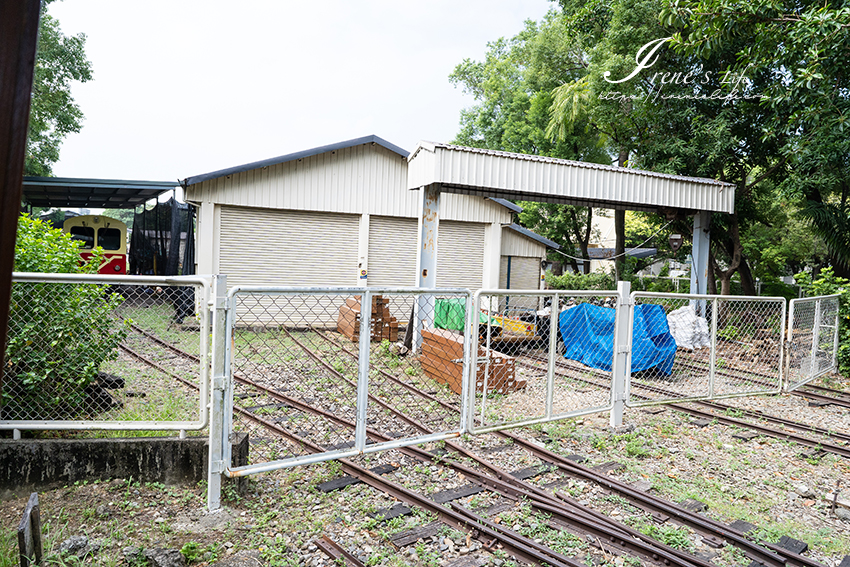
588, 333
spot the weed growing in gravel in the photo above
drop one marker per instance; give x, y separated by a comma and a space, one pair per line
674, 536
637, 448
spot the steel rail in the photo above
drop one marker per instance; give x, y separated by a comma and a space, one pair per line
537, 495
840, 400
528, 550
773, 555
752, 549
376, 481
336, 552
784, 435
590, 522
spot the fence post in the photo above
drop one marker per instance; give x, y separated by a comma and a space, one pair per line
813, 367
218, 426
621, 353
363, 369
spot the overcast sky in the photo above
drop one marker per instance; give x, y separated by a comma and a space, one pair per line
182, 88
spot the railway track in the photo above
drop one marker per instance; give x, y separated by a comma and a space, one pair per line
819, 394
563, 512
723, 413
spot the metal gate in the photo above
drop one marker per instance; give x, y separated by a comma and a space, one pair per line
324, 369
97, 352
812, 339
521, 355
701, 347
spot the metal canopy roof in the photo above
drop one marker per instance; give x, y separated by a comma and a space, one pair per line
609, 253
504, 175
91, 193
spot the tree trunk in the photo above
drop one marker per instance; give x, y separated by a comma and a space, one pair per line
711, 284
735, 260
583, 238
748, 283
620, 227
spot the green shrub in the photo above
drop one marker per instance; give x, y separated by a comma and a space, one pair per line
828, 284
59, 334
596, 280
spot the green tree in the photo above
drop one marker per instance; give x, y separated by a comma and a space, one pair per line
607, 34
513, 88
60, 60
571, 227
803, 48
59, 334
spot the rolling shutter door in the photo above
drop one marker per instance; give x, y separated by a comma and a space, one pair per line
287, 248
392, 251
460, 254
525, 272
525, 275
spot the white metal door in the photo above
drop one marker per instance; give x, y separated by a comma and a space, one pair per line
392, 251
812, 339
460, 254
701, 347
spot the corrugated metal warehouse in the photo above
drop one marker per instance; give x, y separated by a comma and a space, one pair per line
342, 215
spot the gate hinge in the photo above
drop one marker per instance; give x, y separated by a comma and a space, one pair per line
217, 467
620, 397
219, 383
623, 349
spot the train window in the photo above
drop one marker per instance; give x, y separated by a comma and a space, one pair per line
84, 234
109, 238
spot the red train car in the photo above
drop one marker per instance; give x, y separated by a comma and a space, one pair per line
108, 233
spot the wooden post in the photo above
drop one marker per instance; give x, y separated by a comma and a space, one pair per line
29, 534
18, 33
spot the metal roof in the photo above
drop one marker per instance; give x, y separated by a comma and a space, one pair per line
505, 175
608, 253
507, 204
533, 235
91, 193
290, 157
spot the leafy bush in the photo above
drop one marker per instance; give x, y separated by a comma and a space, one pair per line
596, 280
828, 284
59, 334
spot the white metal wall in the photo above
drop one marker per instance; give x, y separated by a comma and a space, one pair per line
367, 178
514, 244
460, 254
287, 248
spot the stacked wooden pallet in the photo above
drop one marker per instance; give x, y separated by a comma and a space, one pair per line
442, 360
384, 326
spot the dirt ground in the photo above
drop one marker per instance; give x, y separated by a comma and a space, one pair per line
764, 481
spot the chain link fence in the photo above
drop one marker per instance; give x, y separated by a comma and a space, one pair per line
812, 339
704, 347
337, 371
106, 353
549, 360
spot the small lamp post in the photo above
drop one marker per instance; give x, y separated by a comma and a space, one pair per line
675, 241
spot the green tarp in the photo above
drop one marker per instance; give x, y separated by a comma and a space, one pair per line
450, 313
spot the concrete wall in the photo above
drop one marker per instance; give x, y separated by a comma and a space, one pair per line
29, 465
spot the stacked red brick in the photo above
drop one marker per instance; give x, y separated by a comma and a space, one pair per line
384, 325
442, 360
